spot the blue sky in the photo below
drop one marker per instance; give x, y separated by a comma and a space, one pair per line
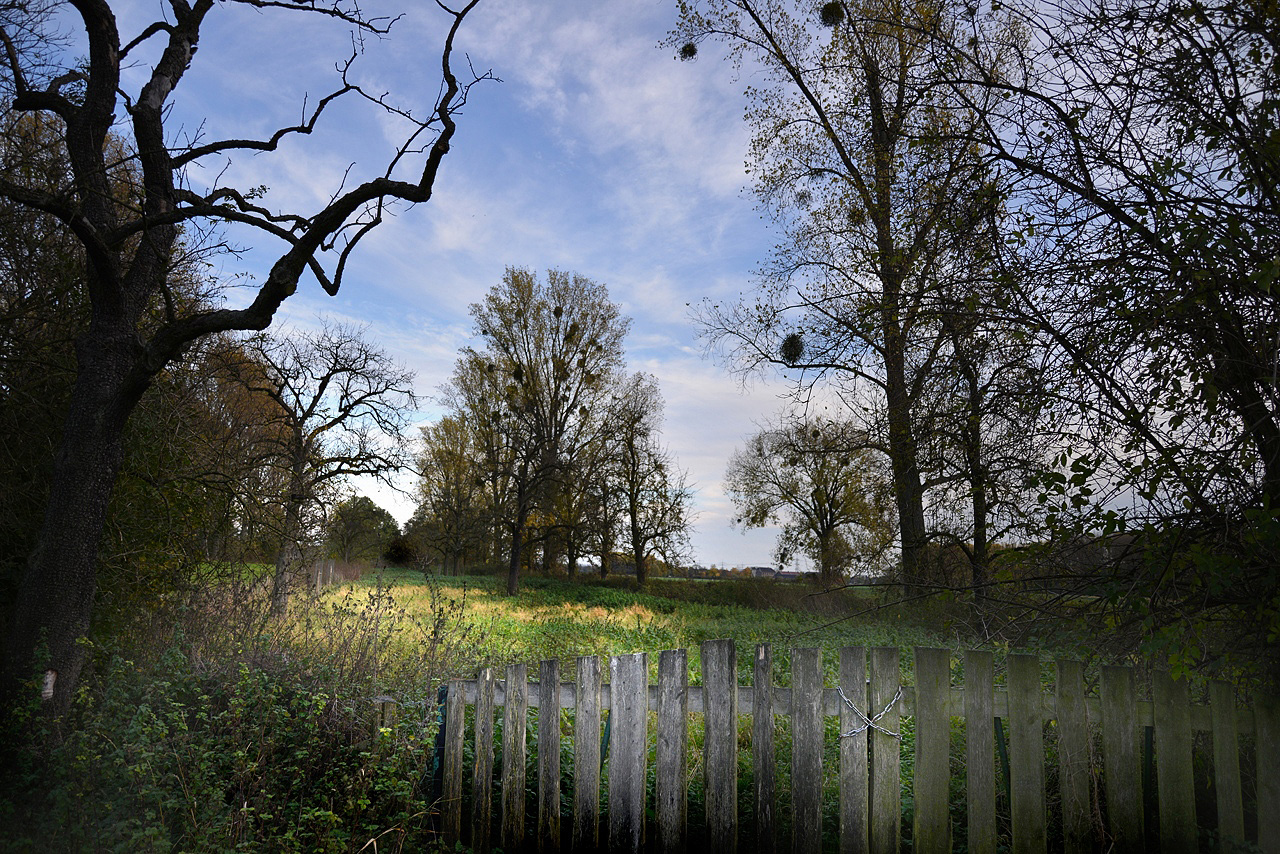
597, 153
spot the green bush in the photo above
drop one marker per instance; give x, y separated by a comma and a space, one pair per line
276, 740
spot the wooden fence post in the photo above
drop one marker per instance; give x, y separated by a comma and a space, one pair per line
1266, 716
628, 749
720, 704
854, 799
1175, 782
1226, 765
671, 779
980, 750
549, 756
806, 750
482, 778
886, 769
1073, 758
1026, 754
586, 755
1120, 758
514, 720
763, 755
931, 830
454, 734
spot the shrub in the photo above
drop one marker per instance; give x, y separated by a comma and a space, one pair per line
243, 733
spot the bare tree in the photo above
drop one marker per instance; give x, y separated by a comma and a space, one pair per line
130, 240
858, 154
341, 410
654, 491
536, 389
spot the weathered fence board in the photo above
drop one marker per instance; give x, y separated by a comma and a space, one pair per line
886, 758
482, 776
855, 831
454, 741
871, 703
671, 780
719, 681
514, 720
1175, 781
1121, 759
549, 756
763, 759
628, 745
1026, 754
932, 828
1267, 720
806, 750
586, 755
1073, 758
980, 750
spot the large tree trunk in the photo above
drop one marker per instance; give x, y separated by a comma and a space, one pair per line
55, 601
907, 488
289, 561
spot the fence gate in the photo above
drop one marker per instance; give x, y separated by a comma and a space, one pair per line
1009, 766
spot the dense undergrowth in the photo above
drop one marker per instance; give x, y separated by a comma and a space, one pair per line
240, 732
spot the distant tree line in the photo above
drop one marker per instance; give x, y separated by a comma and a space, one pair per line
550, 451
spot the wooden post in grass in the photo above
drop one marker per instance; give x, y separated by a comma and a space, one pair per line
454, 734
931, 830
806, 750
1226, 765
1121, 758
514, 720
1026, 755
628, 749
720, 704
586, 755
1073, 759
549, 756
1175, 778
671, 780
482, 777
980, 750
886, 770
763, 754
854, 799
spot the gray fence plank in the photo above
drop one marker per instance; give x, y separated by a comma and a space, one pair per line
628, 749
514, 721
1073, 758
854, 803
482, 775
720, 686
1026, 755
806, 750
586, 755
454, 735
886, 756
763, 755
931, 830
1174, 776
1266, 712
672, 776
980, 750
549, 756
1226, 765
1121, 759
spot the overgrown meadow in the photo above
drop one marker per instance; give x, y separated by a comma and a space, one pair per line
239, 731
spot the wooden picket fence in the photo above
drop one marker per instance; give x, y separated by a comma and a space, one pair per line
1096, 804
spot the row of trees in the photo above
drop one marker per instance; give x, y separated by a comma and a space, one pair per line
549, 444
1031, 249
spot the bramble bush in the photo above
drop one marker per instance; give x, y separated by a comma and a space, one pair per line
243, 733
